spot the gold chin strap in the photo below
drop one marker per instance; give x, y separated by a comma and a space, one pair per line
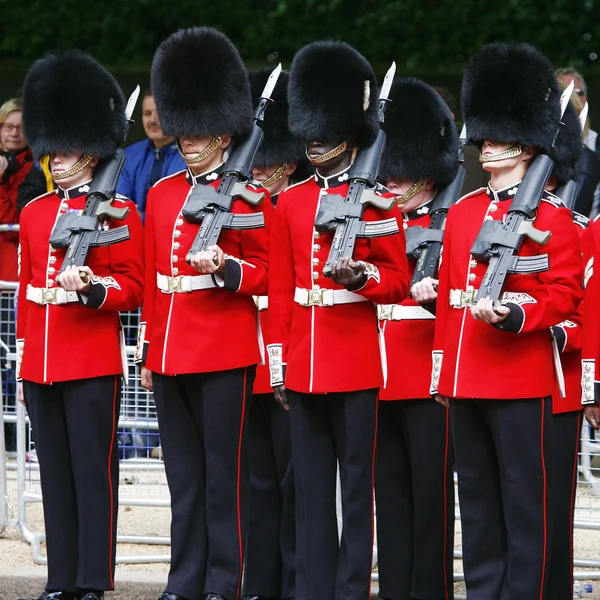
81, 164
329, 155
508, 153
411, 192
279, 174
212, 147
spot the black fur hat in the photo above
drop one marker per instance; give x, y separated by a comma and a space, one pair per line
330, 83
200, 85
421, 135
279, 146
71, 103
568, 147
510, 94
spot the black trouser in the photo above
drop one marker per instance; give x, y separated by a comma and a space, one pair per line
502, 451
201, 419
271, 546
414, 492
74, 426
566, 432
327, 429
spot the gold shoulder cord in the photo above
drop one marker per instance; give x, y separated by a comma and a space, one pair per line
329, 155
81, 164
412, 191
508, 153
279, 174
212, 146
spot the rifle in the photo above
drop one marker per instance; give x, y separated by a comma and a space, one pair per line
212, 208
78, 232
500, 242
344, 215
425, 245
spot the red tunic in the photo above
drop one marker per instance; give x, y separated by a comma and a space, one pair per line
210, 329
10, 215
408, 343
479, 360
328, 348
76, 340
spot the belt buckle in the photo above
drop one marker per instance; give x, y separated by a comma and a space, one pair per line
467, 297
49, 295
174, 284
315, 297
385, 311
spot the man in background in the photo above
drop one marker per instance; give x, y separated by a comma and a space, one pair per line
148, 160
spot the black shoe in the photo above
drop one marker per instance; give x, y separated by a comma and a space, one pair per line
168, 596
55, 596
214, 597
91, 596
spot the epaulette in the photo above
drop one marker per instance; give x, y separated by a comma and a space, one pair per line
550, 198
471, 194
170, 176
289, 187
581, 220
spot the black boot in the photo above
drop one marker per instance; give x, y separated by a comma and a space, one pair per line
91, 595
168, 596
54, 596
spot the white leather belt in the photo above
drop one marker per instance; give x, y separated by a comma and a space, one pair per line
462, 298
45, 296
326, 297
184, 283
262, 302
397, 312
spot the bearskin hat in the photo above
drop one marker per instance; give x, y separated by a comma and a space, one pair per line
279, 146
568, 146
72, 104
421, 135
200, 85
510, 94
333, 95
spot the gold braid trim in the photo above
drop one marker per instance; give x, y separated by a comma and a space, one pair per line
508, 153
279, 174
81, 164
212, 146
328, 155
411, 192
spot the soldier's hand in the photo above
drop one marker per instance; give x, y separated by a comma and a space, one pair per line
211, 260
20, 393
348, 272
485, 311
146, 379
281, 396
70, 280
592, 415
425, 291
443, 400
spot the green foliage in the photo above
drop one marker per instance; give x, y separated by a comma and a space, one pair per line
424, 35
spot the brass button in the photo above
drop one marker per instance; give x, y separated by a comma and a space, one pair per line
493, 208
174, 258
472, 276
316, 287
64, 205
49, 282
473, 264
317, 234
470, 288
176, 245
52, 249
316, 248
52, 260
179, 222
315, 261
315, 275
175, 271
177, 233
51, 270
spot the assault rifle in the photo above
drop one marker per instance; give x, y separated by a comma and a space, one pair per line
344, 215
499, 242
425, 245
78, 232
212, 208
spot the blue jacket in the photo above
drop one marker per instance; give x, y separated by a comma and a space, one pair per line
133, 182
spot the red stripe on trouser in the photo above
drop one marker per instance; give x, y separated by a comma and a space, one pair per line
110, 487
373, 480
544, 503
239, 517
444, 477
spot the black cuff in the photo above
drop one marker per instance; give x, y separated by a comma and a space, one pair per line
142, 361
561, 337
514, 321
353, 287
96, 297
232, 280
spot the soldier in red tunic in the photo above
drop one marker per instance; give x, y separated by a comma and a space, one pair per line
270, 567
68, 329
414, 482
198, 333
494, 365
323, 331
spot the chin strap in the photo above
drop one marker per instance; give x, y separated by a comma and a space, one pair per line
411, 192
81, 164
328, 155
279, 174
212, 147
508, 153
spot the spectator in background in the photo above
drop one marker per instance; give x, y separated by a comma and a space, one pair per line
37, 182
149, 160
15, 163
